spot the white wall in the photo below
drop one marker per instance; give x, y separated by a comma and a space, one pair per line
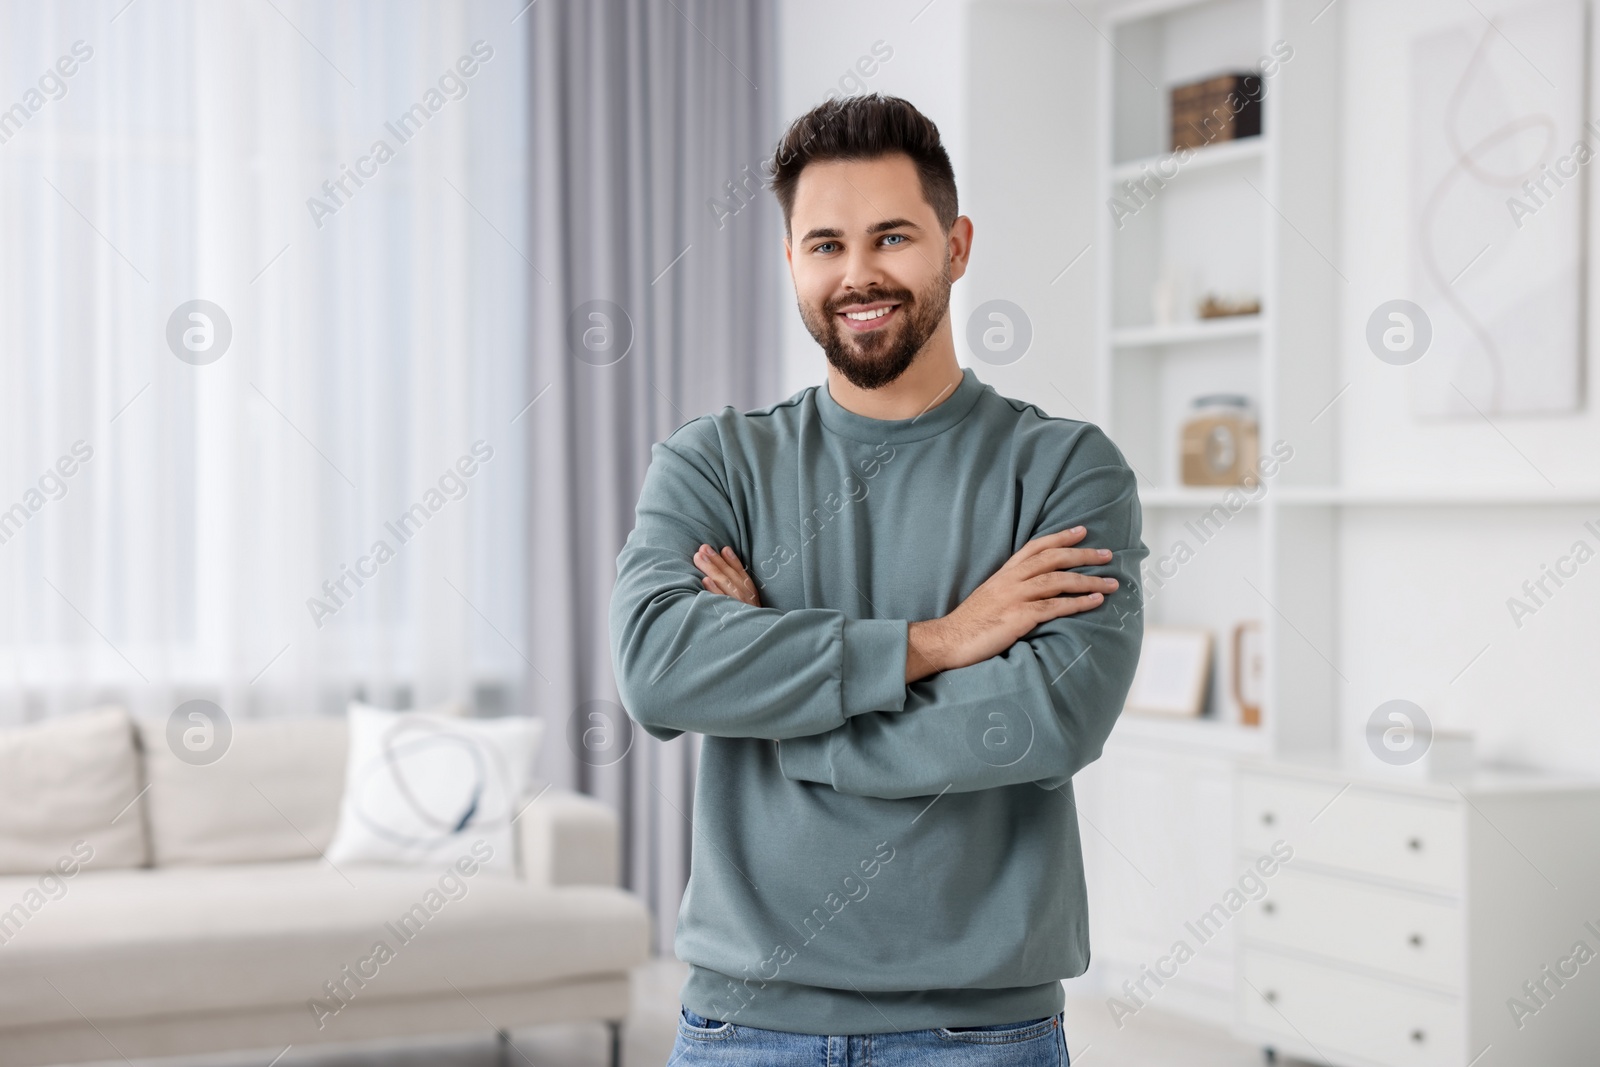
1030, 190
1424, 590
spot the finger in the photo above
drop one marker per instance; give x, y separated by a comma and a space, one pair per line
719, 583
1059, 539
721, 577
733, 572
709, 562
1063, 558
1061, 607
733, 568
722, 587
716, 583
1059, 583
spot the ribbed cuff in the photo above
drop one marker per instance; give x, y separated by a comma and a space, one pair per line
874, 666
805, 759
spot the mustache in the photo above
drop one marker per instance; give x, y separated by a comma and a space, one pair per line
902, 296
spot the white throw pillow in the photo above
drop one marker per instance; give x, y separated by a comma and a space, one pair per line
420, 788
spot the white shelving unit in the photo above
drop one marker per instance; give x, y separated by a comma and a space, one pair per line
1250, 215
1255, 215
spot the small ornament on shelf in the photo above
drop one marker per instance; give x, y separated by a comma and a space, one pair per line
1249, 671
1169, 292
1214, 306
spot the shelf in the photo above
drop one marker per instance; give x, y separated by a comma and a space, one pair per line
1213, 734
1203, 496
1198, 331
1133, 10
1343, 766
1434, 496
1192, 496
1207, 157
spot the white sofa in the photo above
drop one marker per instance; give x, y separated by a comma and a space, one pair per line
202, 918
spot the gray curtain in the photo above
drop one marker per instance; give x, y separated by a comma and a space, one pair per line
656, 258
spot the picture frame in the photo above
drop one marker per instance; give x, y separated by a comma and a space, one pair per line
1174, 672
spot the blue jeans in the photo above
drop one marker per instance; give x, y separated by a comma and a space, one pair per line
1033, 1043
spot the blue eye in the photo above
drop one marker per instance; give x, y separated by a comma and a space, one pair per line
894, 237
823, 247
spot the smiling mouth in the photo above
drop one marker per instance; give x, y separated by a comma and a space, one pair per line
863, 320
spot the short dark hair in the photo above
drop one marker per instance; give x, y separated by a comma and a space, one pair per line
866, 127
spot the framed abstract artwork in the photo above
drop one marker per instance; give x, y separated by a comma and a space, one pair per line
1500, 161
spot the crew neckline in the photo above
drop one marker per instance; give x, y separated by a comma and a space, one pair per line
935, 420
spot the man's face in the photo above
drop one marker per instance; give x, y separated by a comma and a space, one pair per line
871, 266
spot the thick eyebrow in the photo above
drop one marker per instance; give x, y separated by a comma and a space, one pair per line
877, 227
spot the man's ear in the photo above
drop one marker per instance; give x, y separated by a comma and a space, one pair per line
960, 244
788, 253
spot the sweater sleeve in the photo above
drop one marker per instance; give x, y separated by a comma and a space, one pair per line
1038, 712
686, 659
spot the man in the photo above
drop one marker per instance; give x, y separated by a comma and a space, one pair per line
923, 649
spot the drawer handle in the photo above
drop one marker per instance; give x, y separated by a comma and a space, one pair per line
1415, 844
1269, 907
1416, 940
1418, 1036
1267, 818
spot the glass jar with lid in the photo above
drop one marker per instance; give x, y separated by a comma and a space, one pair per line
1219, 441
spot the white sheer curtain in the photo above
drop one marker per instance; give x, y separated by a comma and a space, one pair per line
376, 342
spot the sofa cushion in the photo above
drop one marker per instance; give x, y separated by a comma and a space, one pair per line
273, 795
65, 780
180, 940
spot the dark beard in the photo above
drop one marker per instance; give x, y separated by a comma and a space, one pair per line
873, 360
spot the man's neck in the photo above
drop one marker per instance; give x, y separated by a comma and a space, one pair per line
927, 383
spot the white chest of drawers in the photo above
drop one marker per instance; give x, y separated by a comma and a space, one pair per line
1420, 924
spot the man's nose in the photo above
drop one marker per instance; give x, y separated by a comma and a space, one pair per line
863, 269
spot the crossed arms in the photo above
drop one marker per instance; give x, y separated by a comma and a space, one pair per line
1020, 683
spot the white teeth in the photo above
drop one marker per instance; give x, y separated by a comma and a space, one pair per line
862, 316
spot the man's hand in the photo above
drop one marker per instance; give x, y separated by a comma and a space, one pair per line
1033, 586
724, 574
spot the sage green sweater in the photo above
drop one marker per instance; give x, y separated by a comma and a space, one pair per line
871, 856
